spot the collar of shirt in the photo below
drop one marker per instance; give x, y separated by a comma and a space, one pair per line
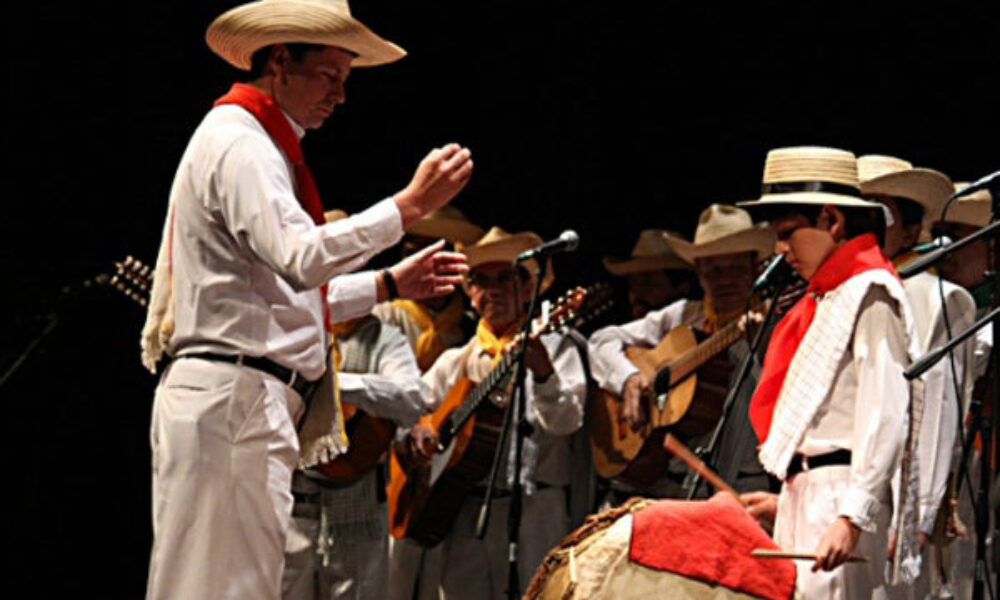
300, 132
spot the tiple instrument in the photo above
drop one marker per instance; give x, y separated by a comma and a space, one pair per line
424, 500
697, 371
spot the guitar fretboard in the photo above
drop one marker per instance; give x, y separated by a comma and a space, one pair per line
689, 361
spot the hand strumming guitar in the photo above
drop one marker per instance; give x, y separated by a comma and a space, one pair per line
633, 409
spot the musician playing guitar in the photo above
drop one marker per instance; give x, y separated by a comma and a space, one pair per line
726, 252
555, 390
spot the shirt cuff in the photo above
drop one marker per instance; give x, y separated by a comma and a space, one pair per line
861, 508
382, 222
352, 295
928, 515
617, 379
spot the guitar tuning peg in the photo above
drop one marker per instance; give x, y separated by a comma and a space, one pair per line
142, 302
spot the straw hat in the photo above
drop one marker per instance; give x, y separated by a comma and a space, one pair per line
724, 229
651, 253
448, 223
238, 33
334, 215
499, 246
890, 176
810, 175
974, 209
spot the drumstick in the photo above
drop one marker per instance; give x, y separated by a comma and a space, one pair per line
763, 553
678, 449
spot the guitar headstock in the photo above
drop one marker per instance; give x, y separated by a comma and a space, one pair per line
574, 308
134, 279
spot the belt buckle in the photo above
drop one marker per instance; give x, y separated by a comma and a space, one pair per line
239, 359
805, 463
295, 376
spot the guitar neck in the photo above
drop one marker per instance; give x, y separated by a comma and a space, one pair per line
690, 361
483, 389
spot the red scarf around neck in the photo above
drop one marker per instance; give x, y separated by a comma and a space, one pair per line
270, 116
856, 256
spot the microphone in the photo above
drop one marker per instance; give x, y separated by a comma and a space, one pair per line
934, 244
566, 242
776, 274
981, 184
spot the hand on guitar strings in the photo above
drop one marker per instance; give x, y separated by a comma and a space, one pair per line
536, 358
419, 446
634, 411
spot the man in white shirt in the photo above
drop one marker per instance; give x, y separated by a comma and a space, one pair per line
555, 388
236, 303
913, 196
725, 255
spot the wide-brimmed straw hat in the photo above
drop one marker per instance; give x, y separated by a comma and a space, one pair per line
810, 175
499, 246
724, 229
974, 209
651, 253
447, 223
241, 31
890, 176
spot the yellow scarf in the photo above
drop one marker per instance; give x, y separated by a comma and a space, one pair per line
429, 345
490, 343
712, 319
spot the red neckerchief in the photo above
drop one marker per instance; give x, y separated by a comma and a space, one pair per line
856, 256
270, 116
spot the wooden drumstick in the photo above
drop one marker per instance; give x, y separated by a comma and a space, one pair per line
764, 553
678, 449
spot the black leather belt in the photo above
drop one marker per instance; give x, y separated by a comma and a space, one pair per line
289, 377
802, 463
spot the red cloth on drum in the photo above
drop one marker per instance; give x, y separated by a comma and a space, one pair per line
710, 541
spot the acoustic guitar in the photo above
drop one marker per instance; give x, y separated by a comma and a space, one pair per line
425, 500
691, 407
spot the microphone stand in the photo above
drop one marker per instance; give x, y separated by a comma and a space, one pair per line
52, 319
707, 453
931, 258
515, 412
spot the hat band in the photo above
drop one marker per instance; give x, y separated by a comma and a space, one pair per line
792, 187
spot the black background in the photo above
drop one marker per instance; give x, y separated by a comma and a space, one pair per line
604, 117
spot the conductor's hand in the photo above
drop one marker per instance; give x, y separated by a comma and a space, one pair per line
762, 506
836, 545
633, 406
439, 177
429, 272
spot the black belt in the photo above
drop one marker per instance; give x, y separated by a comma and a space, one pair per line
802, 463
289, 377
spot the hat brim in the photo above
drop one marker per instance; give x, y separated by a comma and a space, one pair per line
238, 33
622, 267
814, 198
453, 230
927, 187
758, 239
506, 251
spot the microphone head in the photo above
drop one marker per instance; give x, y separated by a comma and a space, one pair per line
571, 239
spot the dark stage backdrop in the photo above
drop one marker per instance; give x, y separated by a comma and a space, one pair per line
604, 117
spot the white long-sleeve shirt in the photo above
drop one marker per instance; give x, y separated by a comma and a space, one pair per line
939, 426
247, 259
865, 410
390, 386
610, 367
554, 407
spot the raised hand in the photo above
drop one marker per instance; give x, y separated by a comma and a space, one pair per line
427, 273
439, 177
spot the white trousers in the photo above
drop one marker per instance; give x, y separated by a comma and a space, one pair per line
352, 569
463, 566
224, 447
807, 505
